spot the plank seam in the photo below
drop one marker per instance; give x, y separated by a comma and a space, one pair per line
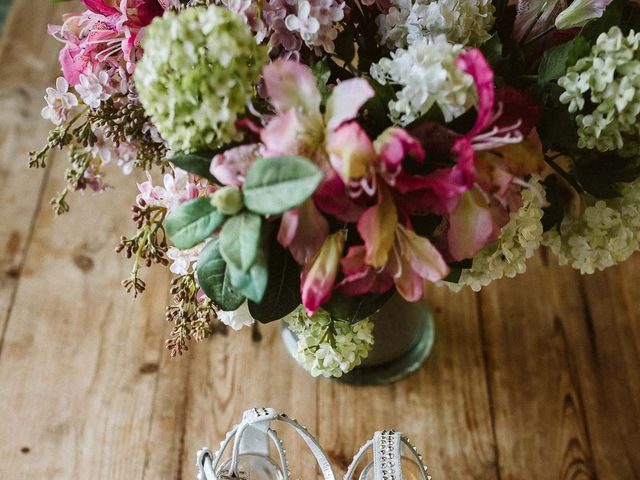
488, 382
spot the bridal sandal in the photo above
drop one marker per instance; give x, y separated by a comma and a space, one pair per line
251, 453
394, 458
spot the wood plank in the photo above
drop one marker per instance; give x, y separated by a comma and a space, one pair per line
28, 62
77, 368
608, 363
444, 408
532, 331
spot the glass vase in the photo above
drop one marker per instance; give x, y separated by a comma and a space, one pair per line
404, 333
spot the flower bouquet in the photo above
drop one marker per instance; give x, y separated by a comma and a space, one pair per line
320, 156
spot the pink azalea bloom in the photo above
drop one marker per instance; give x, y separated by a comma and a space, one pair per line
412, 261
470, 225
535, 17
319, 276
303, 231
299, 127
231, 166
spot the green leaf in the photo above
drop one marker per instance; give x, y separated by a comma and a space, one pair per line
277, 184
214, 278
252, 284
239, 240
354, 309
322, 73
194, 163
282, 295
192, 223
492, 51
554, 63
600, 173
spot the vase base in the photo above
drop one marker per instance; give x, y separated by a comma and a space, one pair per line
378, 368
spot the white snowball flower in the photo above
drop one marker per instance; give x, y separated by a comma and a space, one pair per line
600, 235
466, 22
237, 319
328, 346
428, 75
94, 89
59, 102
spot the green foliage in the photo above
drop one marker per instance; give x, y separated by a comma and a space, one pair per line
239, 241
354, 309
253, 283
192, 223
282, 294
600, 173
214, 278
322, 74
277, 184
194, 163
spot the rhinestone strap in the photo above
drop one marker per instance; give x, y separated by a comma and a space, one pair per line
386, 455
253, 435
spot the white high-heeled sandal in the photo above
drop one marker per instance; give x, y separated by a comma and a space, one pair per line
388, 459
251, 455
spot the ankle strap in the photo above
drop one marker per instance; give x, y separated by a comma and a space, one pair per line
387, 456
252, 436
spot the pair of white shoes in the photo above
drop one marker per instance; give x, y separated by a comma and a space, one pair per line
394, 458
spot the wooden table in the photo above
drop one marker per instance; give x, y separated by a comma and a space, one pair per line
536, 377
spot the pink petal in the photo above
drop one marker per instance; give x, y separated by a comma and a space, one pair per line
408, 283
377, 227
473, 62
231, 166
319, 276
291, 85
302, 231
331, 197
423, 257
99, 6
281, 135
361, 278
346, 100
470, 226
350, 151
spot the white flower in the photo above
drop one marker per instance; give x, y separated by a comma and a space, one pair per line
328, 346
94, 89
177, 188
184, 261
603, 89
59, 102
466, 22
237, 319
600, 235
302, 22
518, 241
428, 75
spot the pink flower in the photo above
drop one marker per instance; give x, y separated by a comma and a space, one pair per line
299, 127
303, 230
231, 166
319, 276
412, 261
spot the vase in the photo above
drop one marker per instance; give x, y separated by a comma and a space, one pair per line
404, 333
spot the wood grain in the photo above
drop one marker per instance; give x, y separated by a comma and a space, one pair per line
536, 377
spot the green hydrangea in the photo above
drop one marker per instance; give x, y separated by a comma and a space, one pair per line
603, 89
197, 74
328, 346
518, 241
600, 235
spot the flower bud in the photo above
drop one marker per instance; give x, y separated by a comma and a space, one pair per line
228, 200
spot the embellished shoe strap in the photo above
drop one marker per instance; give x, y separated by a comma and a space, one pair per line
387, 457
252, 436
